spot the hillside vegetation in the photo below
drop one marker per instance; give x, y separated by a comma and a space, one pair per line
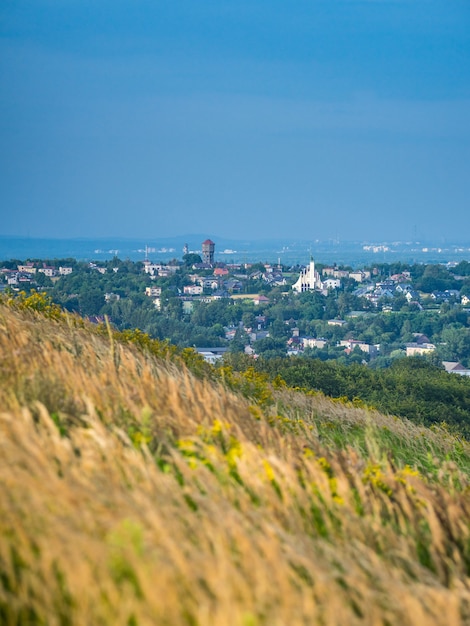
412, 387
140, 487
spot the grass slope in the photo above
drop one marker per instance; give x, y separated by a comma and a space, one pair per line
133, 492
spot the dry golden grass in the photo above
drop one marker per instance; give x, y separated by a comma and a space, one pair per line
132, 493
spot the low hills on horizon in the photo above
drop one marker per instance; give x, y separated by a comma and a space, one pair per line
140, 486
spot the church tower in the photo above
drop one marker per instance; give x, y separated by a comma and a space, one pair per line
308, 280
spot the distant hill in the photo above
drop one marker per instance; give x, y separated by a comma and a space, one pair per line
140, 486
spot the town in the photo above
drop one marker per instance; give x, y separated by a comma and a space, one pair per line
372, 315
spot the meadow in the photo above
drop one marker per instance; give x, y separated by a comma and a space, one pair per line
139, 486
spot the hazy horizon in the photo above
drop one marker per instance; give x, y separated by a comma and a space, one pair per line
285, 250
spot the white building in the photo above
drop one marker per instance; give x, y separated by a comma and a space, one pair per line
454, 367
192, 290
308, 280
153, 292
331, 283
314, 342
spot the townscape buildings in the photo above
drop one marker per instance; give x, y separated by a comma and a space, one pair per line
213, 280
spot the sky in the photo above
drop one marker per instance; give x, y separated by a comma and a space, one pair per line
247, 119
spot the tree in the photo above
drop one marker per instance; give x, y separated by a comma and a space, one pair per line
42, 280
279, 330
248, 319
191, 258
174, 308
239, 341
91, 301
435, 278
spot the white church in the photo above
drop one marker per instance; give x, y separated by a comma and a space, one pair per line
310, 280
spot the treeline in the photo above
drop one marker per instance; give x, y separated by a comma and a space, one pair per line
412, 388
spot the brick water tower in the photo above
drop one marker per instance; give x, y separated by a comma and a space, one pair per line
208, 248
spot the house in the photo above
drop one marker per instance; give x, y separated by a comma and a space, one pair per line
294, 342
47, 270
453, 367
11, 276
261, 321
150, 268
445, 296
111, 297
192, 290
261, 300
221, 271
157, 269
212, 355
401, 278
64, 271
210, 283
350, 344
28, 268
360, 275
403, 288
336, 322
202, 266
360, 292
419, 349
331, 283
23, 278
293, 351
412, 296
259, 334
314, 342
153, 292
221, 293
440, 296
335, 272
233, 285
195, 278
230, 333
465, 300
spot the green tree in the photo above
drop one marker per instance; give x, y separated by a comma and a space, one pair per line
91, 301
191, 259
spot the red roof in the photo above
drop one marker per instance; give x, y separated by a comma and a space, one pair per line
207, 242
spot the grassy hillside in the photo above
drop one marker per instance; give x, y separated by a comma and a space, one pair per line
136, 491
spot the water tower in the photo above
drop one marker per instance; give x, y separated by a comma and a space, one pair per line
208, 248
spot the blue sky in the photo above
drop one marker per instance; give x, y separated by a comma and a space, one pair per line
308, 119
